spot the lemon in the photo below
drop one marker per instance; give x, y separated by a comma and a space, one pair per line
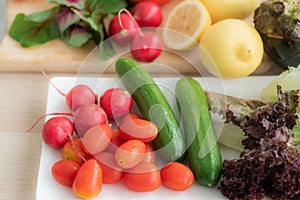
224, 9
232, 48
185, 24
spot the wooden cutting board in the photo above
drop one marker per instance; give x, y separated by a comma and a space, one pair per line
56, 56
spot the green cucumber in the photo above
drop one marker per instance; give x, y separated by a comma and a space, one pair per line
203, 151
153, 105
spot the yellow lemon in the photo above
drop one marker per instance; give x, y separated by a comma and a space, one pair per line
232, 48
185, 24
224, 9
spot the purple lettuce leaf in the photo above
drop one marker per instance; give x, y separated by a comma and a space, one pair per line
76, 36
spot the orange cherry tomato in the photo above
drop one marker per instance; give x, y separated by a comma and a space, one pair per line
160, 2
97, 138
130, 154
111, 172
115, 142
143, 178
149, 154
140, 129
88, 181
129, 116
69, 153
65, 171
177, 176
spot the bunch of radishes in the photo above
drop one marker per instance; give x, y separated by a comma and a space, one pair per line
125, 29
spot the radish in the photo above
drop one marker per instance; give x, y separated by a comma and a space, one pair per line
79, 95
116, 102
147, 14
146, 47
123, 28
57, 131
87, 116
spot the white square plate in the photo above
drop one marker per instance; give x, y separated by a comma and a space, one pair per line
48, 188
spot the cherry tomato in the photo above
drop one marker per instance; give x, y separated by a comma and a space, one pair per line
149, 154
147, 14
115, 142
116, 102
65, 171
160, 2
130, 154
177, 176
142, 178
97, 138
69, 153
111, 173
140, 129
88, 181
129, 116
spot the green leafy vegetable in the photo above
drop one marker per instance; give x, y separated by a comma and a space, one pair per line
35, 29
78, 4
74, 21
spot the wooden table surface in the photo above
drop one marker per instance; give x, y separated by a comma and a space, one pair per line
23, 97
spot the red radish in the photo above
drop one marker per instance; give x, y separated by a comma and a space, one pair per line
123, 28
97, 138
79, 95
87, 116
147, 14
146, 47
57, 131
116, 102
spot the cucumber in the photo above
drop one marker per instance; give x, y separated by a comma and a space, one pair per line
153, 105
203, 151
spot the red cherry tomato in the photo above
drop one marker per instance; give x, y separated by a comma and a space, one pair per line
147, 14
97, 138
115, 142
130, 154
177, 176
144, 177
111, 173
65, 171
160, 2
116, 102
129, 116
69, 153
88, 181
140, 129
149, 154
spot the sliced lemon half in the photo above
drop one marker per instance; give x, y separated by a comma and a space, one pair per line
185, 24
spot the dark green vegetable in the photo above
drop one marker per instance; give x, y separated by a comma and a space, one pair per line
278, 23
75, 22
203, 150
153, 105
